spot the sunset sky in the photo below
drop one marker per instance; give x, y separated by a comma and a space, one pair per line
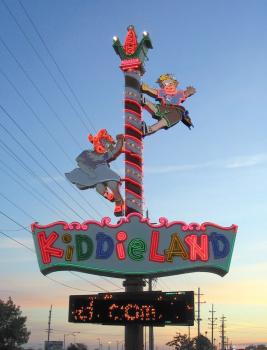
215, 172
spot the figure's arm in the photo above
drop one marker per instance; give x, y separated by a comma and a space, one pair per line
117, 149
189, 91
146, 89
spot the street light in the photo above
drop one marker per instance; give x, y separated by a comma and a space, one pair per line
99, 344
118, 342
66, 335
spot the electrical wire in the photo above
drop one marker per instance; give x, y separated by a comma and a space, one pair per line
56, 64
54, 61
68, 131
3, 145
39, 164
51, 56
30, 190
44, 99
16, 206
44, 64
51, 136
85, 279
43, 125
42, 153
32, 251
18, 242
63, 284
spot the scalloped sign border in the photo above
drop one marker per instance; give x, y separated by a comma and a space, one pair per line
134, 247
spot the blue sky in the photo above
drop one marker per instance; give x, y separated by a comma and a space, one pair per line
215, 172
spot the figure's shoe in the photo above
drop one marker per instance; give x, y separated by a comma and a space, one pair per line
187, 120
109, 196
143, 100
119, 209
145, 130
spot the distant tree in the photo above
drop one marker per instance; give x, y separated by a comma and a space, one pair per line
261, 347
250, 347
201, 343
182, 342
13, 331
77, 346
256, 347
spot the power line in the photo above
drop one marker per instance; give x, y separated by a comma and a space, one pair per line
3, 145
44, 155
16, 206
111, 282
36, 115
73, 273
13, 239
55, 62
40, 93
85, 279
44, 64
37, 162
47, 103
31, 190
50, 278
50, 134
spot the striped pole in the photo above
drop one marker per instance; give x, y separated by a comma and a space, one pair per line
133, 144
133, 55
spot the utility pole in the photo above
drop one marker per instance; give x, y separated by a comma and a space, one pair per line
189, 335
150, 288
133, 55
212, 324
49, 325
150, 329
223, 318
198, 311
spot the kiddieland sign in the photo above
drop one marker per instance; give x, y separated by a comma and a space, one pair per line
134, 246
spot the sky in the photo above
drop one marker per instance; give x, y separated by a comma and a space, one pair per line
60, 80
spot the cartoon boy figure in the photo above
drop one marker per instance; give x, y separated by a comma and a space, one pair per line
168, 111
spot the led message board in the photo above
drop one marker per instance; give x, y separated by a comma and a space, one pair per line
134, 247
146, 308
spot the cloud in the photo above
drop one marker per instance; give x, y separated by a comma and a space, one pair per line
232, 163
247, 161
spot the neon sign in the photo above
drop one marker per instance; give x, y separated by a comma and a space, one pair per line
134, 246
146, 308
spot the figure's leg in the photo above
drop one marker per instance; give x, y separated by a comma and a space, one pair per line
151, 129
102, 189
150, 107
119, 202
159, 125
153, 110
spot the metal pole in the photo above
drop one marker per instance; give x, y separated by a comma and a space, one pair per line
151, 331
212, 324
133, 333
49, 326
198, 312
132, 57
133, 184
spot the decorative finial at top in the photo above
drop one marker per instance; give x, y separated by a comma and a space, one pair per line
132, 53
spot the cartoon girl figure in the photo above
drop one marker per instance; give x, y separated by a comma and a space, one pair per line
94, 172
168, 111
